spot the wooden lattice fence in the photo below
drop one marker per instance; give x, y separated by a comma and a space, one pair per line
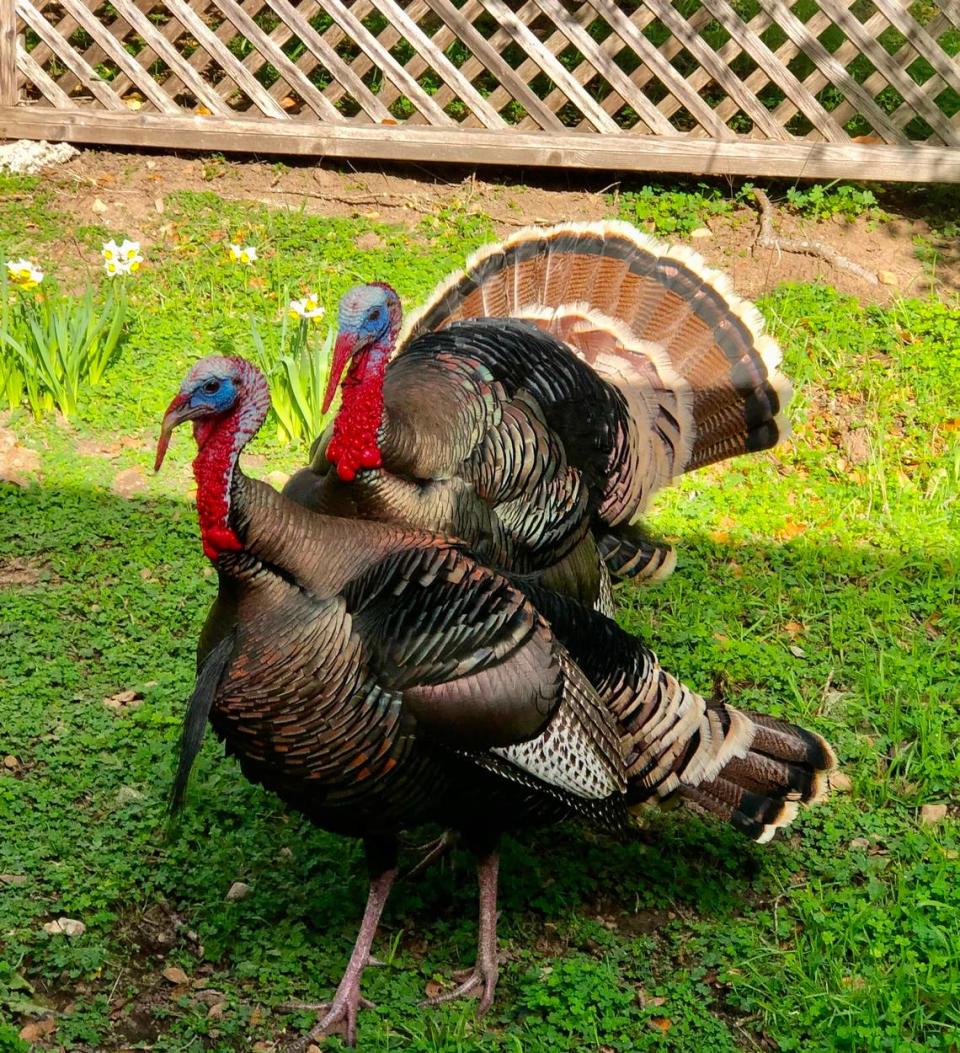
818, 88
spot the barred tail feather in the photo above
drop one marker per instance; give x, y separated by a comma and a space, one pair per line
749, 770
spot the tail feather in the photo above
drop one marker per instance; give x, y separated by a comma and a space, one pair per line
750, 770
632, 557
688, 354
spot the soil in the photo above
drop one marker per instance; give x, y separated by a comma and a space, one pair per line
125, 190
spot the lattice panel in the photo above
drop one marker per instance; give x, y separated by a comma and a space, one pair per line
828, 71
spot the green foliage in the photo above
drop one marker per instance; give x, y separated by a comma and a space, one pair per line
667, 211
826, 201
841, 546
297, 373
52, 344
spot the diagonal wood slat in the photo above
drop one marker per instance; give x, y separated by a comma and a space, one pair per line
212, 44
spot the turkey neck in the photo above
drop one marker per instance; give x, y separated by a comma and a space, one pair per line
219, 442
356, 430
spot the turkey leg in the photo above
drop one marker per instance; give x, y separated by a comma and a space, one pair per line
341, 1014
484, 973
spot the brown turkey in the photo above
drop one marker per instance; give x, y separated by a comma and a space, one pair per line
377, 678
539, 399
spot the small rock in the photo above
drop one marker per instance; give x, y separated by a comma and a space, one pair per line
286, 853
215, 1012
128, 794
278, 480
933, 814
98, 206
238, 890
65, 927
210, 997
175, 975
11, 762
860, 842
262, 1047
840, 782
13, 879
887, 278
701, 232
797, 651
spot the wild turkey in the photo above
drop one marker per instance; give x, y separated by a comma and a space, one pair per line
540, 397
377, 677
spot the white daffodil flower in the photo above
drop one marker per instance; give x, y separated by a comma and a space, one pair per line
24, 273
245, 254
110, 251
130, 254
311, 306
115, 267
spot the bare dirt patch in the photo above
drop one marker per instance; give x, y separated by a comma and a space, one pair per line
20, 572
126, 191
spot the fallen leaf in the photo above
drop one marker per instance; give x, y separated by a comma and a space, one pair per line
202, 111
262, 1047
215, 1012
98, 206
797, 651
933, 814
887, 278
701, 232
790, 529
37, 1030
175, 975
794, 628
660, 1023
159, 205
432, 989
124, 700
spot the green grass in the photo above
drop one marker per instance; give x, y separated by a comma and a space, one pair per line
843, 936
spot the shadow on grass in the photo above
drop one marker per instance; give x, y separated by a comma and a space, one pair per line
113, 598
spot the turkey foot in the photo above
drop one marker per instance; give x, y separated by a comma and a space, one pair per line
483, 977
340, 1015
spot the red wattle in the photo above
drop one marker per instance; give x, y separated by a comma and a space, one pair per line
355, 444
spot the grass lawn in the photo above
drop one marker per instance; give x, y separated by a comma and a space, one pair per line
819, 582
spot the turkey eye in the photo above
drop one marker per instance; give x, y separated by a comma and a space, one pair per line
373, 315
211, 387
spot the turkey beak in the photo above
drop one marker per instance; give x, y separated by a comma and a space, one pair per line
177, 412
343, 351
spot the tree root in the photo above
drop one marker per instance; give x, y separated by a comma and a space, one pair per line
805, 246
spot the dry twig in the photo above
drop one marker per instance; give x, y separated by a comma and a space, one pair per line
805, 246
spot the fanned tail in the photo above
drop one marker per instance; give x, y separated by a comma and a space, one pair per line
688, 354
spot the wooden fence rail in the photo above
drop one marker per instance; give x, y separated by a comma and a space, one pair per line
815, 88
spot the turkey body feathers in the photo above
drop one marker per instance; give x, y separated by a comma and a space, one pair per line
541, 396
364, 685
